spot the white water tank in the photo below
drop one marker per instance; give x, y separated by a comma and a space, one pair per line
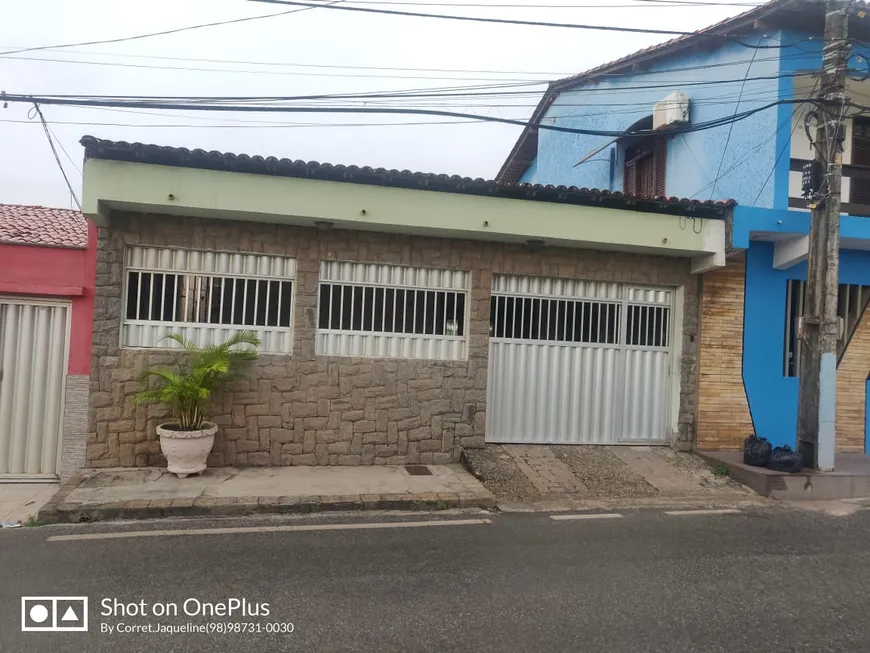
671, 111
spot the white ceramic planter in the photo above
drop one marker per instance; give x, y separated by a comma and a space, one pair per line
186, 451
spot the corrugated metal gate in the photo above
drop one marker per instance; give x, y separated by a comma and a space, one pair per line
578, 362
33, 360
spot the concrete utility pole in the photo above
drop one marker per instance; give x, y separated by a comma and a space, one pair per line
820, 325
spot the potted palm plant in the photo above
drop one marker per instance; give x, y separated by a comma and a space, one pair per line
187, 440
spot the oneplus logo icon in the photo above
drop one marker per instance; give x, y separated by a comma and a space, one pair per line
54, 614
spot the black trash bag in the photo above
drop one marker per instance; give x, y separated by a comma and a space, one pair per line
756, 451
785, 459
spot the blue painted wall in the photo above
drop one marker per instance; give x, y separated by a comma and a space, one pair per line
693, 159
773, 396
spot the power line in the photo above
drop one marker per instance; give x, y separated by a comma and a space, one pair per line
352, 67
56, 157
640, 4
159, 101
264, 124
786, 146
476, 19
259, 72
63, 149
508, 21
162, 33
395, 111
731, 126
243, 126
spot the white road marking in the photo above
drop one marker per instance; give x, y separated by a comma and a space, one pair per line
266, 529
595, 515
689, 513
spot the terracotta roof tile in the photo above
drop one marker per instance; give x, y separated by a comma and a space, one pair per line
41, 225
225, 161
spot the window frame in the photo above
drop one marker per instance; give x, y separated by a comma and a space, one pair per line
655, 148
176, 326
394, 338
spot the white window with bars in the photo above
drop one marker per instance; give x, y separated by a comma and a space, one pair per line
392, 311
576, 312
207, 296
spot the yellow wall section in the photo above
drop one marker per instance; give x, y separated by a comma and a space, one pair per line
851, 377
723, 412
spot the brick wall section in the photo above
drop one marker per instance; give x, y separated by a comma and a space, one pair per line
723, 411
851, 387
307, 410
75, 425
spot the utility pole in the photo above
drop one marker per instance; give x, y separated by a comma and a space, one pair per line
820, 326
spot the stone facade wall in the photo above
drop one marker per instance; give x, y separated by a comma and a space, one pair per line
307, 409
723, 411
851, 389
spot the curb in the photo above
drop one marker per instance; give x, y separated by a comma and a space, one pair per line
57, 511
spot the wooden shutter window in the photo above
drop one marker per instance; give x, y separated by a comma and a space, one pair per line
630, 178
660, 161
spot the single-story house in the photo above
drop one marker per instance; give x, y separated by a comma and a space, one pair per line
403, 316
47, 265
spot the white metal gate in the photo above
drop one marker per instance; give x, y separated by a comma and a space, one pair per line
33, 361
578, 362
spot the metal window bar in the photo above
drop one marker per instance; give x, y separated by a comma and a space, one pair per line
444, 313
175, 298
574, 323
256, 301
395, 317
139, 299
233, 303
268, 297
163, 297
197, 286
185, 316
425, 306
384, 310
223, 294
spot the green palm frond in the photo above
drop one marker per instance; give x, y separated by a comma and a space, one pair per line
201, 371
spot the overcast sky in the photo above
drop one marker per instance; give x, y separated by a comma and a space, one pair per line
303, 42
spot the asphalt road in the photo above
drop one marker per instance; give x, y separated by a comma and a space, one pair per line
768, 579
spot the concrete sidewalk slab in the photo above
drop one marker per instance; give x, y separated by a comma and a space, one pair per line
563, 477
18, 501
146, 493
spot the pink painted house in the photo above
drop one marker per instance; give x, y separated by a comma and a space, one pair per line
47, 268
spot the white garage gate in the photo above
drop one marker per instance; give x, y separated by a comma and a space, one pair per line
33, 363
578, 362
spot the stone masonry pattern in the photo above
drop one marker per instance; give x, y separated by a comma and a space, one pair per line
314, 410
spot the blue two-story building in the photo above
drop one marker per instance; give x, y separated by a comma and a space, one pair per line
682, 96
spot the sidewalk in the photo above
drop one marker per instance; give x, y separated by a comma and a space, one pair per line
147, 493
18, 501
575, 477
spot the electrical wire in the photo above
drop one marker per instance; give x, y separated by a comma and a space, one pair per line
161, 33
66, 154
479, 19
640, 4
351, 67
393, 110
731, 126
54, 152
786, 146
265, 124
486, 91
532, 23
